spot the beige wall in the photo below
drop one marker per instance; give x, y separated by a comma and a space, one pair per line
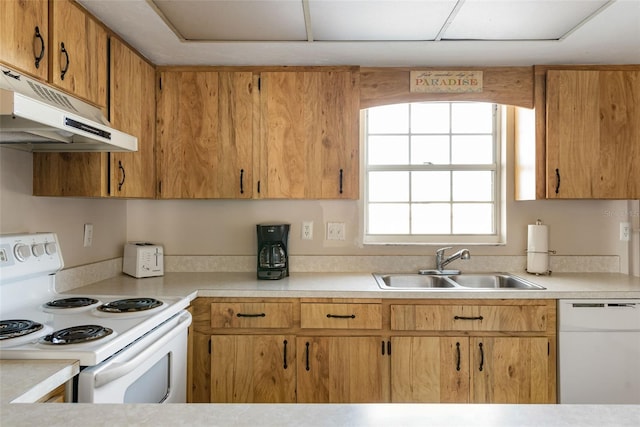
20, 212
227, 227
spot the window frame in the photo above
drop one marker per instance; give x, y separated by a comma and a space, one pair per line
498, 237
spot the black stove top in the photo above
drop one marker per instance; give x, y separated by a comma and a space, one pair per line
75, 302
77, 334
18, 327
130, 305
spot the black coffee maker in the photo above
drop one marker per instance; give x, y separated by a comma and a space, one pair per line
273, 262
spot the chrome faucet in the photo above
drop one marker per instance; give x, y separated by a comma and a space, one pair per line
441, 261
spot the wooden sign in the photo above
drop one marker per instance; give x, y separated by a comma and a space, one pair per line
445, 81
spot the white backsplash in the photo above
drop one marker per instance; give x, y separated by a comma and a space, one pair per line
72, 278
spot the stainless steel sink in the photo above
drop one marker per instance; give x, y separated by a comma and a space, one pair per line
486, 281
412, 281
493, 281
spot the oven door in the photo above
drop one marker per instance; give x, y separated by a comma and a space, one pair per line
151, 370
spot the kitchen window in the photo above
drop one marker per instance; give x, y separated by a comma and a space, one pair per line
432, 173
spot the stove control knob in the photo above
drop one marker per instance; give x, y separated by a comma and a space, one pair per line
22, 252
50, 248
38, 249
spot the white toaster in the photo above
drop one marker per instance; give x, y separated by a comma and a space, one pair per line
143, 259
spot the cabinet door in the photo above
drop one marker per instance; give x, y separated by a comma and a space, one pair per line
511, 370
253, 369
430, 369
79, 53
340, 370
593, 134
205, 128
309, 135
24, 32
133, 106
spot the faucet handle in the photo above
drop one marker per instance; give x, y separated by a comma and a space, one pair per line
441, 250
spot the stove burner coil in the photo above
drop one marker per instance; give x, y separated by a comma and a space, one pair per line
17, 328
77, 334
130, 305
71, 302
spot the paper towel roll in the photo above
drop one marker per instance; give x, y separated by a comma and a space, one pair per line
538, 238
538, 262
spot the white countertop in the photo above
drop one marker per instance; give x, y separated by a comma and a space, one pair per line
24, 381
354, 285
28, 381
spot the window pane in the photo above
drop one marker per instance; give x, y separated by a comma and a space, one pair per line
472, 218
432, 218
388, 119
471, 186
388, 150
389, 186
431, 186
472, 149
430, 117
432, 149
471, 117
389, 218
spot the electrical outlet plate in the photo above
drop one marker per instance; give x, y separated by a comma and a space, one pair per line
88, 235
307, 230
625, 231
335, 231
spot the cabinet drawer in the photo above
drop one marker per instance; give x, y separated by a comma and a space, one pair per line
516, 318
251, 315
340, 316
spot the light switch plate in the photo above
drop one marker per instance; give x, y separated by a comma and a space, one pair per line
88, 235
307, 230
335, 231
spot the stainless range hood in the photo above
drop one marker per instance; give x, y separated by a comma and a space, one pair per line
36, 117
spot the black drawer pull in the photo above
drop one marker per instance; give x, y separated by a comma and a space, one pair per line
64, 69
468, 318
307, 356
39, 56
458, 356
285, 354
250, 315
481, 357
341, 316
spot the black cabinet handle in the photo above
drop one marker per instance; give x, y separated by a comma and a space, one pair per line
481, 356
285, 353
250, 315
258, 187
241, 181
557, 181
39, 56
64, 70
121, 168
307, 356
341, 316
389, 347
458, 356
468, 318
341, 176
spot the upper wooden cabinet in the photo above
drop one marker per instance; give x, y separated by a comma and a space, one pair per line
110, 174
308, 138
587, 135
205, 130
79, 53
133, 110
24, 34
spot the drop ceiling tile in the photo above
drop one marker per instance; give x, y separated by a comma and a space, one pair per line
348, 20
519, 19
228, 20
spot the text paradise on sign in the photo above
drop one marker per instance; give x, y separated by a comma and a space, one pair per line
446, 81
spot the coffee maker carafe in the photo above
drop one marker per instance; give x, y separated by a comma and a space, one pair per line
273, 261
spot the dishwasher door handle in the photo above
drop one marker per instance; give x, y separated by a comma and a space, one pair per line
604, 305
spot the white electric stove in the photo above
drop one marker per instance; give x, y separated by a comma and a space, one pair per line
104, 333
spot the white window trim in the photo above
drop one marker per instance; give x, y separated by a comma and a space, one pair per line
500, 185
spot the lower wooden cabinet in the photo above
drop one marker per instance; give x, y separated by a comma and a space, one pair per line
471, 370
407, 351
340, 369
253, 369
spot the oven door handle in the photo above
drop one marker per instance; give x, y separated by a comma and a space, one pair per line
121, 369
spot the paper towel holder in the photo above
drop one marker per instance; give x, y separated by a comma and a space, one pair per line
548, 272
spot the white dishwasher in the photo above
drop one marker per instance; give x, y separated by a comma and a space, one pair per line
599, 351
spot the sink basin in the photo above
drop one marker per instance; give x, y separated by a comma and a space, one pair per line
485, 281
412, 281
493, 281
